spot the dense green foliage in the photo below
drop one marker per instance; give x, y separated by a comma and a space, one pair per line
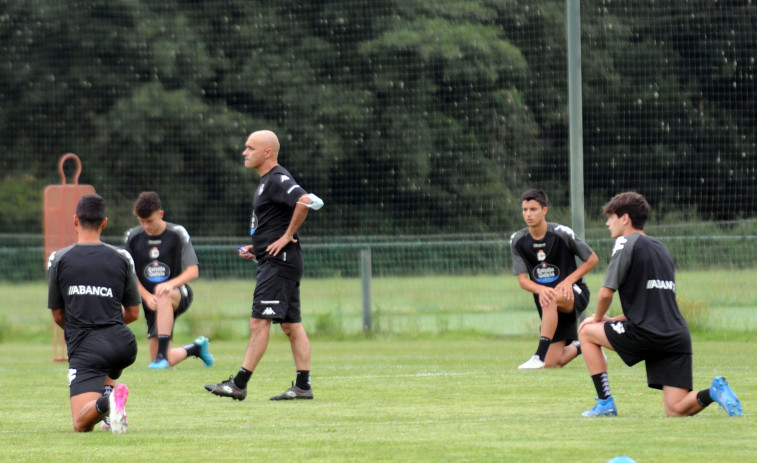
406, 116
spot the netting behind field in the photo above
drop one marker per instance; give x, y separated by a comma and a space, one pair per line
418, 122
694, 247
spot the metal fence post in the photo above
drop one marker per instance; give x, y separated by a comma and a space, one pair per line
365, 276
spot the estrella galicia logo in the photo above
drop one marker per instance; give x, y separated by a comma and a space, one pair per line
546, 273
157, 272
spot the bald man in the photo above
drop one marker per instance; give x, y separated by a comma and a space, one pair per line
279, 209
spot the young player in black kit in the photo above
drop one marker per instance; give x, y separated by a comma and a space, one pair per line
166, 262
279, 209
651, 328
92, 295
544, 260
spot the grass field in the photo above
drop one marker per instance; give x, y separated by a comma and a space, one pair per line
441, 384
723, 304
380, 400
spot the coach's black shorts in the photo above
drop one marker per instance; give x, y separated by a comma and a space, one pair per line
187, 296
668, 359
276, 297
102, 352
567, 323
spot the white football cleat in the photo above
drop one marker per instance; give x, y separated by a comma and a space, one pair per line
532, 364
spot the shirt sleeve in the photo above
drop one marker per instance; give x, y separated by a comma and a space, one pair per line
519, 264
131, 289
188, 254
287, 190
619, 263
54, 297
577, 246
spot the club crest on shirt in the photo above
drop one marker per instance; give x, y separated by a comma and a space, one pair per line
154, 252
541, 255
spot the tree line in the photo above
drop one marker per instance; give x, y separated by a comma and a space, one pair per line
407, 117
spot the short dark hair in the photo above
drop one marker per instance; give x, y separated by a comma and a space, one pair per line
91, 211
631, 203
536, 195
147, 203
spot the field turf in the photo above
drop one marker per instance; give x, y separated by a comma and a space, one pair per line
430, 393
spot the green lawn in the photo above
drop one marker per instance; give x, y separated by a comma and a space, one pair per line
430, 399
438, 381
725, 302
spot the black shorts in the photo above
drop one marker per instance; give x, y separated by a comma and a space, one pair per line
567, 322
276, 297
102, 352
187, 296
668, 359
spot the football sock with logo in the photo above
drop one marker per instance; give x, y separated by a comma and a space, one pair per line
102, 405
704, 398
163, 340
242, 378
602, 385
303, 379
541, 351
193, 350
108, 389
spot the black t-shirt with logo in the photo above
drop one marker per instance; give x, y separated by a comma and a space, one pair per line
273, 206
549, 260
90, 282
642, 271
161, 257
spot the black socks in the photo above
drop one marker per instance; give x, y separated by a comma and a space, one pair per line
704, 398
242, 378
303, 379
193, 350
103, 404
541, 351
602, 385
163, 341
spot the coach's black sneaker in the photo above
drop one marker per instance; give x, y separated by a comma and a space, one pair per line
227, 389
294, 392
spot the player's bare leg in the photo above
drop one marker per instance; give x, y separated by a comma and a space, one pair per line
260, 333
300, 343
164, 319
680, 402
559, 355
84, 412
236, 386
549, 320
593, 338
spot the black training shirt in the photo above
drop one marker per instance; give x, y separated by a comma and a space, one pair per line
549, 260
273, 207
642, 270
161, 257
90, 282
